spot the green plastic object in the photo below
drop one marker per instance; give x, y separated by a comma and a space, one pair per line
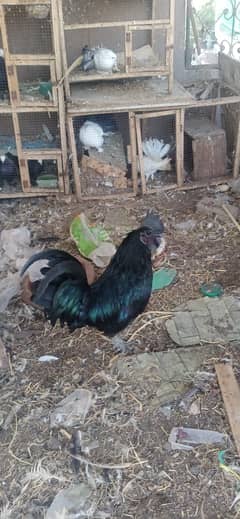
211, 289
47, 181
45, 88
87, 237
163, 278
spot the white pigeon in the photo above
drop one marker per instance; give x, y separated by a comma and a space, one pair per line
91, 135
155, 157
105, 60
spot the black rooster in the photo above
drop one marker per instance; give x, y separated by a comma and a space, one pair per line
119, 295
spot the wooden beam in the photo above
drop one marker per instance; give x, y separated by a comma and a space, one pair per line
25, 2
231, 396
151, 115
73, 150
133, 148
180, 116
31, 59
236, 165
140, 155
133, 24
81, 77
63, 47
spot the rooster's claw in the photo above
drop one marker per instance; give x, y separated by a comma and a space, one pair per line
121, 346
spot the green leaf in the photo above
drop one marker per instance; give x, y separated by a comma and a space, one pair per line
163, 278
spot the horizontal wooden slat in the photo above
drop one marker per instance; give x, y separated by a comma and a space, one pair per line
132, 23
150, 115
24, 2
31, 59
80, 78
49, 154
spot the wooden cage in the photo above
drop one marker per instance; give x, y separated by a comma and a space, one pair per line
206, 150
30, 39
140, 33
105, 173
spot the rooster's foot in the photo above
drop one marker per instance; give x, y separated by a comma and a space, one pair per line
121, 346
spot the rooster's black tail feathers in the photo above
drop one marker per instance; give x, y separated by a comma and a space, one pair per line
63, 291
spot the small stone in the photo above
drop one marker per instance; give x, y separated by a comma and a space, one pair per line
53, 444
186, 226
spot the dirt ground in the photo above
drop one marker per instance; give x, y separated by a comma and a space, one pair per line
122, 425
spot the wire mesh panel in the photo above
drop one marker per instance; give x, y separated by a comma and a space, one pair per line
35, 84
158, 148
149, 49
29, 29
10, 180
39, 130
210, 140
100, 154
4, 90
44, 174
108, 11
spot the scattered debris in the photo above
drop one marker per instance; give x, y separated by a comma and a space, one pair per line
9, 288
231, 469
173, 369
92, 241
48, 358
114, 174
231, 397
4, 360
211, 289
195, 407
205, 320
222, 188
184, 438
73, 409
201, 383
186, 226
213, 207
74, 502
163, 278
235, 185
231, 216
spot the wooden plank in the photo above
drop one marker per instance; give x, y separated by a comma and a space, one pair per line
140, 155
63, 48
45, 154
118, 196
151, 115
231, 396
60, 91
133, 151
24, 2
128, 50
31, 59
29, 194
133, 23
180, 116
170, 47
236, 165
81, 78
73, 150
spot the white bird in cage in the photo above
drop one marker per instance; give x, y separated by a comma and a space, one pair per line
155, 157
105, 60
91, 135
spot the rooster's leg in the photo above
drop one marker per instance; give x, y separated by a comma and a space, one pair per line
120, 345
